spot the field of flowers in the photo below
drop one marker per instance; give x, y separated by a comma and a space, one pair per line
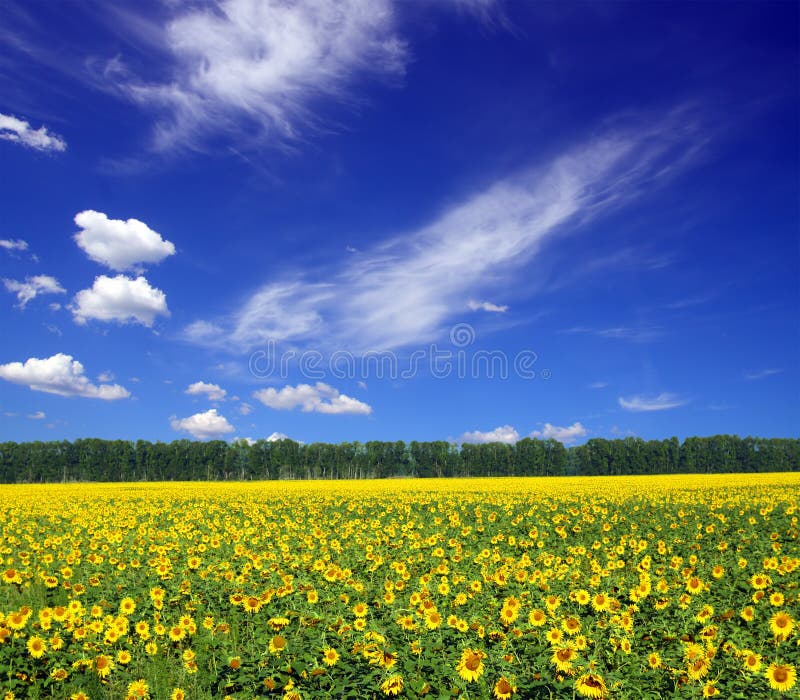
628, 587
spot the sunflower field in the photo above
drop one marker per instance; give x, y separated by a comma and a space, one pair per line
598, 587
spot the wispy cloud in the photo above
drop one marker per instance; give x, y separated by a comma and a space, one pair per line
405, 290
254, 68
662, 402
33, 287
762, 374
21, 132
13, 244
486, 306
642, 334
566, 434
598, 385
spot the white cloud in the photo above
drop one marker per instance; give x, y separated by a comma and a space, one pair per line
20, 131
120, 299
120, 245
486, 306
59, 374
505, 433
598, 385
202, 331
254, 68
213, 392
405, 290
33, 287
277, 437
39, 415
661, 402
10, 245
106, 376
566, 435
762, 374
245, 409
247, 440
203, 425
320, 398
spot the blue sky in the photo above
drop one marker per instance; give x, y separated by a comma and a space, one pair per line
364, 220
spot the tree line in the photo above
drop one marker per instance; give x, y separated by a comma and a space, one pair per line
93, 459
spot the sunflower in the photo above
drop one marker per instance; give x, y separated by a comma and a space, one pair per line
127, 606
176, 633
694, 585
781, 677
138, 689
504, 689
470, 667
752, 661
710, 689
563, 657
330, 656
537, 617
781, 624
392, 685
748, 613
103, 665
654, 660
698, 669
591, 685
178, 694
251, 604
36, 647
277, 644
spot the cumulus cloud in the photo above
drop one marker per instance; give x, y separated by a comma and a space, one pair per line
245, 409
21, 132
213, 392
366, 302
59, 374
505, 433
320, 398
33, 287
253, 68
662, 402
13, 244
486, 306
203, 425
277, 437
120, 299
566, 435
120, 245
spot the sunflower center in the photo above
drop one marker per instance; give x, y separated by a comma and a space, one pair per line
473, 662
780, 674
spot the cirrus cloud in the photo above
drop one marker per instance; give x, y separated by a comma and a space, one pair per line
320, 398
662, 402
253, 68
59, 374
